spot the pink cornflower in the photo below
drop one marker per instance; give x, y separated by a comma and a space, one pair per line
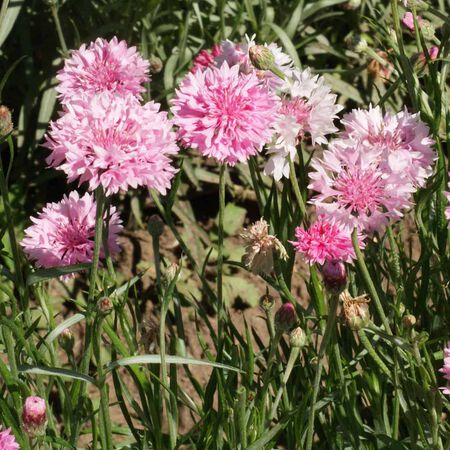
446, 368
308, 108
206, 58
403, 140
114, 142
102, 66
224, 114
63, 233
447, 210
8, 441
408, 20
325, 240
353, 188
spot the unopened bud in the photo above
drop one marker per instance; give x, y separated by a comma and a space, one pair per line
6, 125
427, 29
356, 311
297, 338
170, 272
378, 70
266, 302
285, 317
419, 60
358, 44
351, 5
261, 57
66, 340
105, 305
34, 416
156, 64
334, 276
409, 321
155, 226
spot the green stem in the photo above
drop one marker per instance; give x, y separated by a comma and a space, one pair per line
287, 373
368, 346
220, 312
331, 321
59, 31
368, 281
297, 193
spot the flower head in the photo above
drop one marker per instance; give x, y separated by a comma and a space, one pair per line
260, 246
8, 441
353, 187
408, 20
446, 368
308, 108
402, 139
224, 114
113, 142
325, 240
34, 415
63, 233
355, 310
6, 125
102, 66
206, 58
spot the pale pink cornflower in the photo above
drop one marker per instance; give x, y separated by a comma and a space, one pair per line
355, 190
8, 441
403, 140
224, 114
206, 58
63, 233
307, 109
102, 66
325, 240
446, 368
408, 20
238, 54
114, 142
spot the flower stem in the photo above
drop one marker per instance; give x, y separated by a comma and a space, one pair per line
59, 31
368, 346
297, 193
220, 254
329, 329
368, 281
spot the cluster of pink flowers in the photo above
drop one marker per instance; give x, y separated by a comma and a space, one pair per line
8, 441
446, 368
106, 137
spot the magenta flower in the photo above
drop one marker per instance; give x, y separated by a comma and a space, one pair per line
34, 415
403, 140
446, 368
102, 66
224, 114
113, 142
63, 233
206, 58
8, 441
325, 240
353, 187
408, 20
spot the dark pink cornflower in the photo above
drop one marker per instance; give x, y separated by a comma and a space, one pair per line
446, 368
63, 233
206, 58
224, 114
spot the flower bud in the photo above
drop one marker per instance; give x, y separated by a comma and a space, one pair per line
105, 305
285, 317
266, 302
334, 276
34, 416
261, 57
156, 64
409, 321
378, 70
6, 125
351, 5
66, 340
408, 20
358, 44
155, 226
356, 311
419, 60
170, 273
297, 338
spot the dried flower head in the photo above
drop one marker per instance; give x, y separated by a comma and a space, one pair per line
355, 310
6, 125
260, 246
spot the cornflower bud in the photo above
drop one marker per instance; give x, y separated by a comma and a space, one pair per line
155, 226
105, 305
34, 416
156, 64
6, 125
297, 338
66, 340
261, 57
285, 317
266, 302
351, 5
409, 321
334, 276
358, 44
